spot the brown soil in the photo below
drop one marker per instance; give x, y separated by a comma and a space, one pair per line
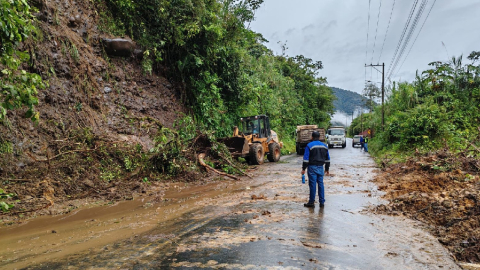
97, 112
443, 191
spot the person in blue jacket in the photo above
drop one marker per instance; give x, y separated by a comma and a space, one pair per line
316, 155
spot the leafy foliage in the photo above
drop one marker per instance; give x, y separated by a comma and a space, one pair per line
18, 87
4, 206
223, 67
438, 109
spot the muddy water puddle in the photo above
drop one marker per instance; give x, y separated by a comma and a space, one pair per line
232, 225
46, 238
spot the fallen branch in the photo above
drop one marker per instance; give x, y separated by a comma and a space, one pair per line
17, 180
61, 154
236, 167
202, 162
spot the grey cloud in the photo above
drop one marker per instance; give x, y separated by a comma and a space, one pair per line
290, 31
334, 32
308, 27
330, 25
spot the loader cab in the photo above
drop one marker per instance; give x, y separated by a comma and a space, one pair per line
258, 125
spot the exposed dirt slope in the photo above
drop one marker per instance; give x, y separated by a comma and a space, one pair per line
98, 115
443, 191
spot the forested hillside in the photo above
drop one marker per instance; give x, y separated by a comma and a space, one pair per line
348, 101
109, 95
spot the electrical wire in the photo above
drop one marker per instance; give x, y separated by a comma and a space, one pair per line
388, 27
366, 44
368, 30
376, 30
407, 24
409, 35
413, 44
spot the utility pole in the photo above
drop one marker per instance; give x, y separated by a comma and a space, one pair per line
353, 131
383, 88
361, 121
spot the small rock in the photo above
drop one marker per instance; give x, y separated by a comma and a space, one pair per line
447, 204
107, 89
21, 165
89, 183
75, 20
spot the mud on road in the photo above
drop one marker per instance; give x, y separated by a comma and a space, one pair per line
250, 224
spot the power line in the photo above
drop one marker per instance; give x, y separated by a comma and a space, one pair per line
366, 44
376, 30
385, 38
403, 34
416, 37
368, 30
409, 35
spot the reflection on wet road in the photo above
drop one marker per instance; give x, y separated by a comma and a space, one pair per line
267, 227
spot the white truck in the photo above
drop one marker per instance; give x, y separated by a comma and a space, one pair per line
336, 136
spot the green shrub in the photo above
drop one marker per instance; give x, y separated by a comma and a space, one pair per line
18, 87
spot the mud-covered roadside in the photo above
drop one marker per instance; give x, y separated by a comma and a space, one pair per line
257, 223
442, 190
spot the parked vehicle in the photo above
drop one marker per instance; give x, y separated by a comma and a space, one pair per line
336, 137
304, 136
356, 140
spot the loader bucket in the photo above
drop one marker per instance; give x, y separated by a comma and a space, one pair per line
238, 146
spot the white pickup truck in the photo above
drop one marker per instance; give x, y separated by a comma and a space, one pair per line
336, 137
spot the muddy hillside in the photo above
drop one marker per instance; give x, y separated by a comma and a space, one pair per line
99, 113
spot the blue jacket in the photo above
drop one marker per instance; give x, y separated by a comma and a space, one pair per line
316, 153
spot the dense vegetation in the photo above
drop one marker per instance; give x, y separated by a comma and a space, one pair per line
348, 101
224, 68
18, 87
439, 109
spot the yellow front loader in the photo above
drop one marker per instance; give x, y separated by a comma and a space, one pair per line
254, 140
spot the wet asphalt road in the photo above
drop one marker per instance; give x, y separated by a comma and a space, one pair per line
274, 231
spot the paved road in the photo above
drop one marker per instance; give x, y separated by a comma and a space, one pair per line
273, 230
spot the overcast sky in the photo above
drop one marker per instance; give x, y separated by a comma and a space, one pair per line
335, 32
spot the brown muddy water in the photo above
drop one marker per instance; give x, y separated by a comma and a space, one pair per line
255, 223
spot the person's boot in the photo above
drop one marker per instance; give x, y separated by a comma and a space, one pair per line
309, 204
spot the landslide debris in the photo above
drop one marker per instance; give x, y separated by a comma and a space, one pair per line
442, 190
106, 125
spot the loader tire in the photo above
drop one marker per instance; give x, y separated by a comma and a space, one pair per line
273, 152
257, 155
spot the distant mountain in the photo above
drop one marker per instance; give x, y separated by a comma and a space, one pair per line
348, 101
